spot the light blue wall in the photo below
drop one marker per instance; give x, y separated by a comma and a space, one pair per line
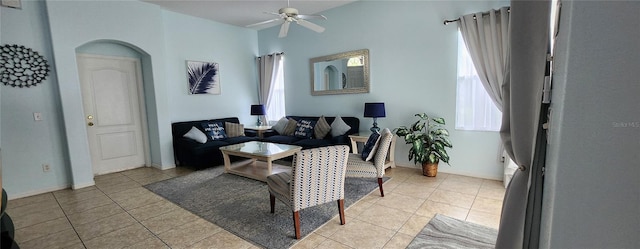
233, 48
413, 69
592, 187
163, 39
27, 144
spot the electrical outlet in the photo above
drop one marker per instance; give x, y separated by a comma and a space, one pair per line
45, 167
37, 116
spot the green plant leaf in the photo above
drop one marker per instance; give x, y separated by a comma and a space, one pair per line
441, 131
402, 131
417, 126
432, 158
445, 141
422, 116
438, 120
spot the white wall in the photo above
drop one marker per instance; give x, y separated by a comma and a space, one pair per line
592, 183
164, 40
413, 60
27, 144
233, 48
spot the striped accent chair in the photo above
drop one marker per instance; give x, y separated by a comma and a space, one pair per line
356, 167
317, 177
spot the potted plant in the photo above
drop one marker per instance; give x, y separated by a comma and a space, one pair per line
429, 140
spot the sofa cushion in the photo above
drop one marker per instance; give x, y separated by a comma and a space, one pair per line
304, 128
233, 129
196, 135
240, 139
370, 146
290, 128
339, 127
280, 125
282, 139
322, 128
215, 130
313, 143
207, 147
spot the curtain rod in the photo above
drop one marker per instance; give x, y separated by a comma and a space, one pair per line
474, 17
278, 53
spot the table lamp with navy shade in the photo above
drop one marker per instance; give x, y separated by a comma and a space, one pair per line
375, 111
258, 110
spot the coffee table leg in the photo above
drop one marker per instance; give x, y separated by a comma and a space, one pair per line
269, 169
227, 162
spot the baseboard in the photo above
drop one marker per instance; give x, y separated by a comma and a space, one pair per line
162, 167
83, 185
457, 173
37, 192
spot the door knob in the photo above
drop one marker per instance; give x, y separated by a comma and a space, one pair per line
90, 124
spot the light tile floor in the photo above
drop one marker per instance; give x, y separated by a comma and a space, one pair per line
119, 213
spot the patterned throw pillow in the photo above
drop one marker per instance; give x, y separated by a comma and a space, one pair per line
196, 135
215, 130
370, 146
339, 127
280, 125
304, 128
322, 128
233, 129
290, 128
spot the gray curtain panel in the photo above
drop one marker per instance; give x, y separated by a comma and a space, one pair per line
267, 69
522, 95
487, 38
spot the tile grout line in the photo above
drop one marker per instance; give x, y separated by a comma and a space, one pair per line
66, 216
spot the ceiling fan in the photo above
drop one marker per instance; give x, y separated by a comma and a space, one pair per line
289, 15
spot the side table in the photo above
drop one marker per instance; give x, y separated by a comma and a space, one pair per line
362, 138
258, 129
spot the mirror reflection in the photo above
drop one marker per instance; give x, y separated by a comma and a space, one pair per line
341, 73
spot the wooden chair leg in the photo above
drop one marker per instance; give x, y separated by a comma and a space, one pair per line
380, 185
272, 200
341, 210
296, 223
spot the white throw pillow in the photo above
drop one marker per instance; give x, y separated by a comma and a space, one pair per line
339, 127
280, 125
196, 135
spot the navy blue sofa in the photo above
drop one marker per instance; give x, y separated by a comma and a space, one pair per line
193, 154
328, 140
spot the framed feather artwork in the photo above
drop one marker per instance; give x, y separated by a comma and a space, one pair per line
204, 77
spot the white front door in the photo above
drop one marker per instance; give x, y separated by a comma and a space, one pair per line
111, 88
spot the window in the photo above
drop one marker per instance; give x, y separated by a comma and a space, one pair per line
474, 108
275, 107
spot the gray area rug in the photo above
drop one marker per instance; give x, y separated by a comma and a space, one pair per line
241, 205
445, 232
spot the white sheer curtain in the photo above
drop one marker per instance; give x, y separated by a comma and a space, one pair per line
474, 108
271, 88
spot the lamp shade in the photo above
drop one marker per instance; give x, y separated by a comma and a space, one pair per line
257, 110
374, 110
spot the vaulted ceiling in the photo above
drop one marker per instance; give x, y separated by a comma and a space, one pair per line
244, 12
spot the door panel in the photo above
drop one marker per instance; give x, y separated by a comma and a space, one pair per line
110, 93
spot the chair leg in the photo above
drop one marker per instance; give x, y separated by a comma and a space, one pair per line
380, 185
296, 223
272, 200
341, 210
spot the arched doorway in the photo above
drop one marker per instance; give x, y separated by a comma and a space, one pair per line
111, 80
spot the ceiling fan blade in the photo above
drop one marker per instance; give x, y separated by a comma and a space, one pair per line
311, 17
265, 22
284, 29
310, 25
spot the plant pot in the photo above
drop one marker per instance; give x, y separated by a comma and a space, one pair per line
430, 169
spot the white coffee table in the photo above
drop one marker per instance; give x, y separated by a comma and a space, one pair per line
260, 156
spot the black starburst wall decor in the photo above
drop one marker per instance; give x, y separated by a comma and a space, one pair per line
203, 77
22, 67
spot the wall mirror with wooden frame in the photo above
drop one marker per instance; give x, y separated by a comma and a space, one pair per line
342, 73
